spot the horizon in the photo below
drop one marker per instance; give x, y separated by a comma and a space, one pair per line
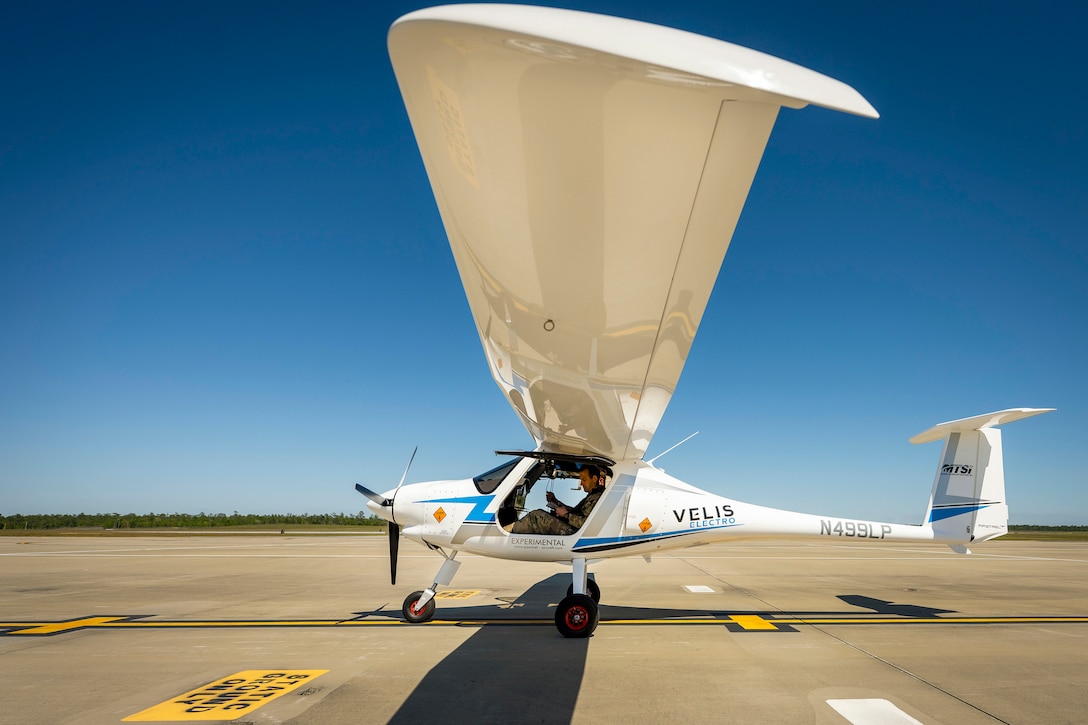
364, 514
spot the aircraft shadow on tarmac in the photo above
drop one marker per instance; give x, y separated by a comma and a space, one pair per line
892, 609
539, 601
501, 675
505, 674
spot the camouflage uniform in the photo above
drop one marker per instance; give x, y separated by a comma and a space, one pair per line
540, 521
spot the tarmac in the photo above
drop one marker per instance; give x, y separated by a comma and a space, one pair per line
307, 629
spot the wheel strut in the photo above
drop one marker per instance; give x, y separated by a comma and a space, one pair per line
419, 606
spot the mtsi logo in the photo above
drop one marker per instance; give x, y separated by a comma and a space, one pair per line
957, 469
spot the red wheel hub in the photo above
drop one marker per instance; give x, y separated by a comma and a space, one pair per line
577, 618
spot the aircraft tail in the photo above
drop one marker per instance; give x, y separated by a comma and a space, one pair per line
968, 499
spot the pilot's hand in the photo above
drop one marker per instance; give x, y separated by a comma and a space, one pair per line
562, 512
551, 498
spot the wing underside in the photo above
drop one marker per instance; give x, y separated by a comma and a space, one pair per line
589, 195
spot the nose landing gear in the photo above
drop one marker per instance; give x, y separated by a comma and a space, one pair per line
415, 612
418, 607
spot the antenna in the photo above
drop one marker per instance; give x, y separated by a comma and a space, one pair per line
651, 461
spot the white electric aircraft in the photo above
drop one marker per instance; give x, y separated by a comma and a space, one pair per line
589, 172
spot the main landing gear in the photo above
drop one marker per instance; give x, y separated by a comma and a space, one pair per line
592, 590
576, 616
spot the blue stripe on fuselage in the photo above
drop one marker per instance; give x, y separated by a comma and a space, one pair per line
614, 542
477, 514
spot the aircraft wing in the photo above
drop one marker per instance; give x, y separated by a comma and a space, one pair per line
589, 172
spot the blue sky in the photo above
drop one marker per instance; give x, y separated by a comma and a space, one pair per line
224, 284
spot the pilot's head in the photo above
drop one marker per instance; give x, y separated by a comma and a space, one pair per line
590, 477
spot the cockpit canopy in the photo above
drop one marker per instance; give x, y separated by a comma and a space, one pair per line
548, 465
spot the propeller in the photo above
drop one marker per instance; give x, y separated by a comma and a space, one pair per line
394, 545
375, 497
405, 474
394, 527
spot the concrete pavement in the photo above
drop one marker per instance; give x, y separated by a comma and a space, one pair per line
95, 630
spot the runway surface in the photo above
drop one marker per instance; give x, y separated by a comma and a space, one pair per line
307, 630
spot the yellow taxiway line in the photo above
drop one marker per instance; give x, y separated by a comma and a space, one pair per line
735, 622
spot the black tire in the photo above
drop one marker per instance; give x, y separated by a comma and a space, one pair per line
413, 615
592, 590
576, 616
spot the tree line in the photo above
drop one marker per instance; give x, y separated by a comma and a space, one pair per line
178, 520
203, 520
1033, 527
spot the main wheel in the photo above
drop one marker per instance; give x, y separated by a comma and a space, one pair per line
592, 590
576, 616
416, 614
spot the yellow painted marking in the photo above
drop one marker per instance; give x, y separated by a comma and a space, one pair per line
940, 620
752, 622
439, 515
229, 697
457, 594
795, 622
645, 524
54, 627
749, 622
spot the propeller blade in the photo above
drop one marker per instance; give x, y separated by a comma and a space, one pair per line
375, 497
394, 545
405, 475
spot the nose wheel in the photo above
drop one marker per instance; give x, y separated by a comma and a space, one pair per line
415, 613
576, 616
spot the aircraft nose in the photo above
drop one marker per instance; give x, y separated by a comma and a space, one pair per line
406, 510
376, 508
397, 504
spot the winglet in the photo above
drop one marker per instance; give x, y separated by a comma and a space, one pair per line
977, 422
667, 50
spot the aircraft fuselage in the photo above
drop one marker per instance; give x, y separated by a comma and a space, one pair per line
643, 510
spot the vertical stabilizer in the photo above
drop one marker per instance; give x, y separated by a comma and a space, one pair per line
968, 499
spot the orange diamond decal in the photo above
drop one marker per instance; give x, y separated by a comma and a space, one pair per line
645, 525
439, 515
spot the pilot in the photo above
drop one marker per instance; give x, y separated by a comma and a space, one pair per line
565, 519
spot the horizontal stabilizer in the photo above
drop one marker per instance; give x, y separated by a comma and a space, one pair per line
977, 422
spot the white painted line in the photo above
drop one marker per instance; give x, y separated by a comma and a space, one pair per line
872, 712
699, 589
